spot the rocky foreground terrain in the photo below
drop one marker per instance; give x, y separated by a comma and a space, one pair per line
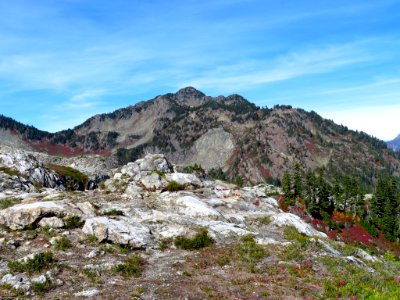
145, 231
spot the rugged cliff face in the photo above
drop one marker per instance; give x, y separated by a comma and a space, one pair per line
255, 144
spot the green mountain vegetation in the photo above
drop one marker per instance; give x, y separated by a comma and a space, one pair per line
267, 141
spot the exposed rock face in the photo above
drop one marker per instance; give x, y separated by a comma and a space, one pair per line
15, 184
52, 222
121, 232
213, 149
46, 178
286, 219
23, 215
153, 182
184, 179
33, 170
150, 163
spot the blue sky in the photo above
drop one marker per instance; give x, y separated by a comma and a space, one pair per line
66, 60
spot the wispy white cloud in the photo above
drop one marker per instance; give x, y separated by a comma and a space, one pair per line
285, 67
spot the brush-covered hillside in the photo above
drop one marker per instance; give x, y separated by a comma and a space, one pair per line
228, 135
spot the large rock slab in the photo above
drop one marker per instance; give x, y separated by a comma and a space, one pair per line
212, 149
122, 231
134, 190
184, 179
287, 219
153, 182
18, 160
23, 215
150, 163
190, 206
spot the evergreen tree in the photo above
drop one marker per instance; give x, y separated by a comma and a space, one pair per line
310, 194
287, 185
385, 206
297, 181
325, 202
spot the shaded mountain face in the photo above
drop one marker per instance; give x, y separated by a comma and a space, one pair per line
256, 144
394, 144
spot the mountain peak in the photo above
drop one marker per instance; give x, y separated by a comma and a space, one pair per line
189, 92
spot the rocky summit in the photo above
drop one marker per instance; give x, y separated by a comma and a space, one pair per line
71, 228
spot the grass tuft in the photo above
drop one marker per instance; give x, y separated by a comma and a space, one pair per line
73, 222
113, 212
36, 264
174, 186
132, 267
6, 203
41, 288
200, 240
62, 244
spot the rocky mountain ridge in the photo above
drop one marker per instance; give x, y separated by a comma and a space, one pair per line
247, 142
394, 144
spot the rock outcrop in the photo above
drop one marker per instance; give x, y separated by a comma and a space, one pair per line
21, 216
139, 209
120, 232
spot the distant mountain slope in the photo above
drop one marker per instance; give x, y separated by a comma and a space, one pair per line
231, 133
394, 144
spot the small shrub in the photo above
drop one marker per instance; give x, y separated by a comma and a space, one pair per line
90, 274
9, 202
249, 251
15, 292
73, 222
102, 185
164, 243
9, 171
223, 261
37, 185
200, 240
48, 231
91, 239
62, 244
369, 227
133, 267
293, 251
161, 174
107, 248
113, 212
193, 169
136, 295
36, 264
124, 249
41, 288
292, 234
265, 220
174, 186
